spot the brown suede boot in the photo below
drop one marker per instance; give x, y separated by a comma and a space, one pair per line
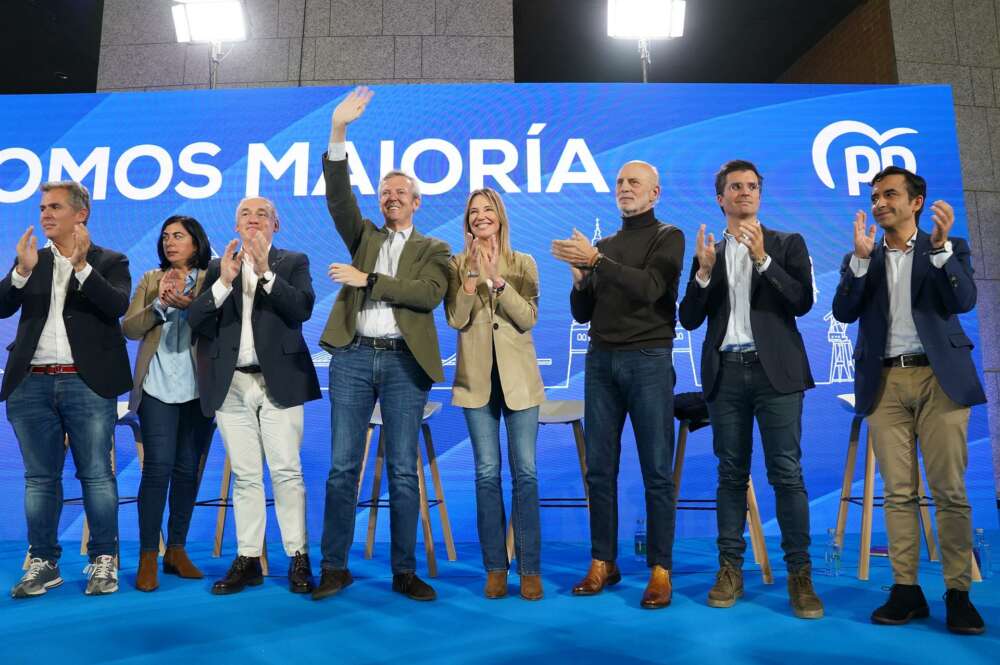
659, 590
531, 587
176, 562
805, 603
145, 578
496, 584
600, 575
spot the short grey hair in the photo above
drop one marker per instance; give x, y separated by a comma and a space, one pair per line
414, 184
269, 202
79, 195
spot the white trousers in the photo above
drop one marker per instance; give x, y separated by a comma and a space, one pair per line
253, 429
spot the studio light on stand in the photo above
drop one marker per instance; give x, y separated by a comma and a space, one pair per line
645, 20
212, 22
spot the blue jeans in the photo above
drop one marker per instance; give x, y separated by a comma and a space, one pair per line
358, 376
638, 384
744, 392
43, 410
174, 438
522, 432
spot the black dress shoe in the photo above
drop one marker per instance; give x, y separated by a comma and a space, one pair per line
906, 601
244, 572
300, 577
412, 587
962, 615
330, 582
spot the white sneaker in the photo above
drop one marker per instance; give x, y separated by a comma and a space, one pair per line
102, 576
41, 576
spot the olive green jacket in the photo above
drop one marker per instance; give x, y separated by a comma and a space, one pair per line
417, 289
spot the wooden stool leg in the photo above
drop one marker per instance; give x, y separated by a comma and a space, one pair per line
425, 517
264, 568
864, 557
510, 539
753, 517
376, 491
679, 450
449, 541
845, 487
581, 453
364, 458
925, 518
977, 575
220, 514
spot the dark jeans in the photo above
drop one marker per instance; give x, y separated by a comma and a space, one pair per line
637, 384
358, 376
744, 392
44, 410
174, 438
522, 433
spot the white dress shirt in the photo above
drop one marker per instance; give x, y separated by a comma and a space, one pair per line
247, 354
903, 337
739, 335
53, 345
376, 318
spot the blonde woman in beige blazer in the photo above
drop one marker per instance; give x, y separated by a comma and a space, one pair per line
492, 301
175, 433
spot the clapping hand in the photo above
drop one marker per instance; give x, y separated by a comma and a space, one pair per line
705, 252
27, 252
864, 243
943, 217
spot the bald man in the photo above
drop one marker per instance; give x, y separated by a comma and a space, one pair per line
626, 287
254, 375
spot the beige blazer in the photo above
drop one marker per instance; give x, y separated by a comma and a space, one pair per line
141, 322
484, 322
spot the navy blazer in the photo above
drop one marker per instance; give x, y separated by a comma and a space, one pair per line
91, 314
938, 296
277, 322
778, 295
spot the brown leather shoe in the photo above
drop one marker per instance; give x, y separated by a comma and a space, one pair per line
531, 587
805, 603
145, 579
658, 591
600, 575
176, 562
496, 584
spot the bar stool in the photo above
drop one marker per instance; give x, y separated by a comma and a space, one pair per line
869, 500
426, 503
692, 414
560, 412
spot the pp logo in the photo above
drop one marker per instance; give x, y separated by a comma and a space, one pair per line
862, 162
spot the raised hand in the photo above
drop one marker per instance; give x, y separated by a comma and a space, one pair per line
943, 217
864, 243
27, 252
229, 263
81, 245
347, 111
705, 253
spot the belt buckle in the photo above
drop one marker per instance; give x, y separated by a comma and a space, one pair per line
902, 360
382, 344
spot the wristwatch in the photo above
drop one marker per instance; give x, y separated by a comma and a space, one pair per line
499, 289
472, 273
265, 278
759, 263
372, 278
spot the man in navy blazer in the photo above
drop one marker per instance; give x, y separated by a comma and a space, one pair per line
915, 381
754, 365
65, 369
254, 374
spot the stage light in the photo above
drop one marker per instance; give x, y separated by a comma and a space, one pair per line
645, 20
212, 21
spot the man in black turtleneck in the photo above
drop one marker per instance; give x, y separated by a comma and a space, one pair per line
626, 287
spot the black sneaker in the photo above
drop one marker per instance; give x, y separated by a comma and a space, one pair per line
244, 572
962, 615
412, 587
906, 601
300, 579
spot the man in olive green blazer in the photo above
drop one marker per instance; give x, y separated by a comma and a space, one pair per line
383, 346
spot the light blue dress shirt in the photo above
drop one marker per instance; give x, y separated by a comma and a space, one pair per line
171, 376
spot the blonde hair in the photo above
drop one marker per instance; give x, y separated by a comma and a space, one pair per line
503, 235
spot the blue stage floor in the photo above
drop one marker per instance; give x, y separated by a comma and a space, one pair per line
183, 623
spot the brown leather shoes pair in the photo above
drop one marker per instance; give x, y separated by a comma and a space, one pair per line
606, 573
496, 585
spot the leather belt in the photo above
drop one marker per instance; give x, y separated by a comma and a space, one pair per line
53, 369
907, 360
741, 357
249, 369
383, 343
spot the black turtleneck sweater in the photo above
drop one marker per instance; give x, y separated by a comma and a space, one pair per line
630, 298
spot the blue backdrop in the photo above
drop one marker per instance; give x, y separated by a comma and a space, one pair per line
553, 151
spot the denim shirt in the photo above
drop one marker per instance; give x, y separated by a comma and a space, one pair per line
171, 376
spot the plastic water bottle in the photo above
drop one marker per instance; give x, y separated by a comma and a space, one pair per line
984, 556
640, 539
832, 555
